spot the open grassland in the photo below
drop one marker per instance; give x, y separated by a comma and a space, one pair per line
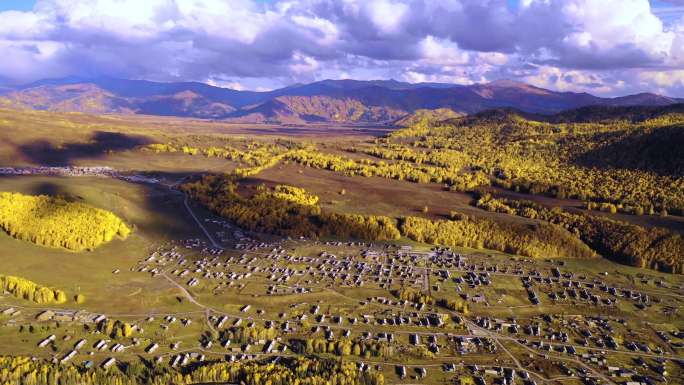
39, 137
153, 214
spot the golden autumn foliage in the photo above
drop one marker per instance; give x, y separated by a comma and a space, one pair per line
455, 304
294, 194
444, 158
244, 172
413, 295
346, 347
295, 371
115, 329
30, 291
284, 210
628, 158
160, 147
243, 334
55, 222
258, 158
451, 175
539, 241
654, 248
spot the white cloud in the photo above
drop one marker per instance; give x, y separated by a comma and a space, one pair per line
606, 24
442, 51
662, 79
600, 46
15, 25
322, 31
302, 64
493, 58
386, 15
571, 80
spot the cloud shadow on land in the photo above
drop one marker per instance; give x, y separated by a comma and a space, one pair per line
43, 187
155, 210
44, 153
658, 150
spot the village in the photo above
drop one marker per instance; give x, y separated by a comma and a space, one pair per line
78, 171
259, 300
415, 313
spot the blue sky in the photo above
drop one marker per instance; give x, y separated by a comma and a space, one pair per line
605, 47
668, 12
25, 5
18, 5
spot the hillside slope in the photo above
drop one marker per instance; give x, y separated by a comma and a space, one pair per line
379, 101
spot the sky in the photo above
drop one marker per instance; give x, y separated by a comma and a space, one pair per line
604, 47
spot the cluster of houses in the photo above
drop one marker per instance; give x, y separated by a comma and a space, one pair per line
60, 171
100, 345
78, 171
387, 319
278, 268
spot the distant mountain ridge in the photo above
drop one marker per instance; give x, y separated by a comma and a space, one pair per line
376, 101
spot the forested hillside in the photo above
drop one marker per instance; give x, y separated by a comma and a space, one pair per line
626, 160
632, 163
540, 241
434, 115
656, 248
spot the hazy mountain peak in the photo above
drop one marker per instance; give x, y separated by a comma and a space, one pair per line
508, 83
326, 100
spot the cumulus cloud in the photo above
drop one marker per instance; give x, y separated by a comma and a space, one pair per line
601, 46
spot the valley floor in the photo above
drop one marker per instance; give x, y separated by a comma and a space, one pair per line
191, 296
193, 293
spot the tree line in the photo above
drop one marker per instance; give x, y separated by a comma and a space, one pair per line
19, 370
243, 334
291, 211
261, 157
655, 248
284, 211
345, 347
413, 295
115, 328
287, 211
538, 241
31, 291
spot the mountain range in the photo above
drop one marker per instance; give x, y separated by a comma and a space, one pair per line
378, 101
